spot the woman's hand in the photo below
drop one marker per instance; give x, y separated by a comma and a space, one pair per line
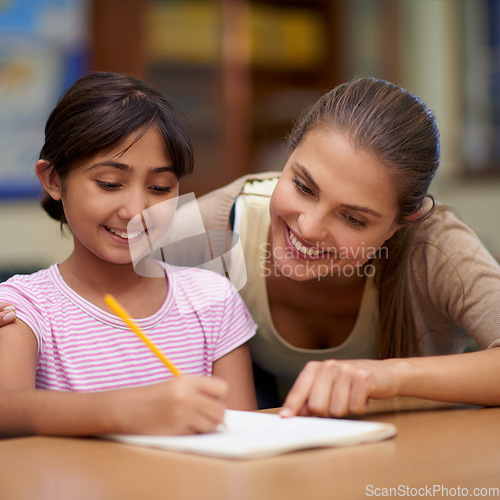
182, 405
335, 388
7, 313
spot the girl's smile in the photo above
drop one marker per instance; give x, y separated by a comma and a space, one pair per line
102, 195
124, 235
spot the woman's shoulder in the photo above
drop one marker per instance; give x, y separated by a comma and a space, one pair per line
444, 244
453, 280
260, 187
215, 207
446, 227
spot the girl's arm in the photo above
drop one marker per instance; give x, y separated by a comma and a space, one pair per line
185, 405
181, 405
336, 388
236, 369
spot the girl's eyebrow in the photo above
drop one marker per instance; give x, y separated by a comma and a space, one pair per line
357, 208
124, 166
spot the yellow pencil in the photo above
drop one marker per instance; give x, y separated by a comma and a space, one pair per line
120, 312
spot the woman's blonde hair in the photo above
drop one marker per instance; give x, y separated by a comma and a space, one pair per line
382, 118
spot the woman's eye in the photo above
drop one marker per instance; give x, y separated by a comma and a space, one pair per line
108, 185
353, 222
302, 187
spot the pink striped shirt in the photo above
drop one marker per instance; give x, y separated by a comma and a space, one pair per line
84, 348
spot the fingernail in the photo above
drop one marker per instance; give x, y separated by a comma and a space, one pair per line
10, 316
9, 308
285, 412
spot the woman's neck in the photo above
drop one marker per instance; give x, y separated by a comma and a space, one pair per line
314, 314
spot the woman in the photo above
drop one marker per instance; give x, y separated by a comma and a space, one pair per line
359, 284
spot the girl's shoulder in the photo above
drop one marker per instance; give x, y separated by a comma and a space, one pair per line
37, 281
199, 290
197, 281
33, 295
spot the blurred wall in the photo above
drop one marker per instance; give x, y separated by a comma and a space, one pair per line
246, 69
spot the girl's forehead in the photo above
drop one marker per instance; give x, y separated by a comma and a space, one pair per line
122, 145
137, 148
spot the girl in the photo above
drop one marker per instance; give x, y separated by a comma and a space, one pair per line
113, 148
361, 287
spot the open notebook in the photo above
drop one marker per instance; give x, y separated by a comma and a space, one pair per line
254, 435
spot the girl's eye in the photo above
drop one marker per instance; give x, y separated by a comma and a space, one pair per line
161, 189
108, 185
302, 188
353, 222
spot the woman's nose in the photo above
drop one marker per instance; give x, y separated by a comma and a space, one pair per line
313, 227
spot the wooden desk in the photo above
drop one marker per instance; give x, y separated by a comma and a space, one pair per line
438, 445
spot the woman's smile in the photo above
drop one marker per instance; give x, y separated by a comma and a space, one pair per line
333, 206
304, 251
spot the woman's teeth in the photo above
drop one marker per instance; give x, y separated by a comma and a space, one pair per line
123, 235
314, 252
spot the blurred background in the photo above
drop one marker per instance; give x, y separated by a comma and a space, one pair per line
242, 71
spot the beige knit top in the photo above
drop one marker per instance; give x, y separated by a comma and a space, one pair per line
453, 281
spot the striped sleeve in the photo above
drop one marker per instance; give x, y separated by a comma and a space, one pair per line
236, 327
27, 307
225, 318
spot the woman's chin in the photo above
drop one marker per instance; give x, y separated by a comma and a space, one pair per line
296, 271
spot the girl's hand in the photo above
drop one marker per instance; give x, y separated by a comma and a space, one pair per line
335, 388
182, 405
7, 313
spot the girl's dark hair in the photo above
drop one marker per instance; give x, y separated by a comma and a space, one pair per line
100, 110
382, 118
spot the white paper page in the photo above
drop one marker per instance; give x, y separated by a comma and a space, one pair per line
254, 435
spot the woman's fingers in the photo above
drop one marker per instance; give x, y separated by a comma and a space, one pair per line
361, 389
298, 396
327, 383
341, 392
7, 313
330, 388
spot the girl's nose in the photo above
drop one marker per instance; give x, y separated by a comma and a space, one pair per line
132, 204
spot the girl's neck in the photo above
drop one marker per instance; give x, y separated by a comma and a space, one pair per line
94, 278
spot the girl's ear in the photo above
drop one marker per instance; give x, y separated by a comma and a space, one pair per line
49, 179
